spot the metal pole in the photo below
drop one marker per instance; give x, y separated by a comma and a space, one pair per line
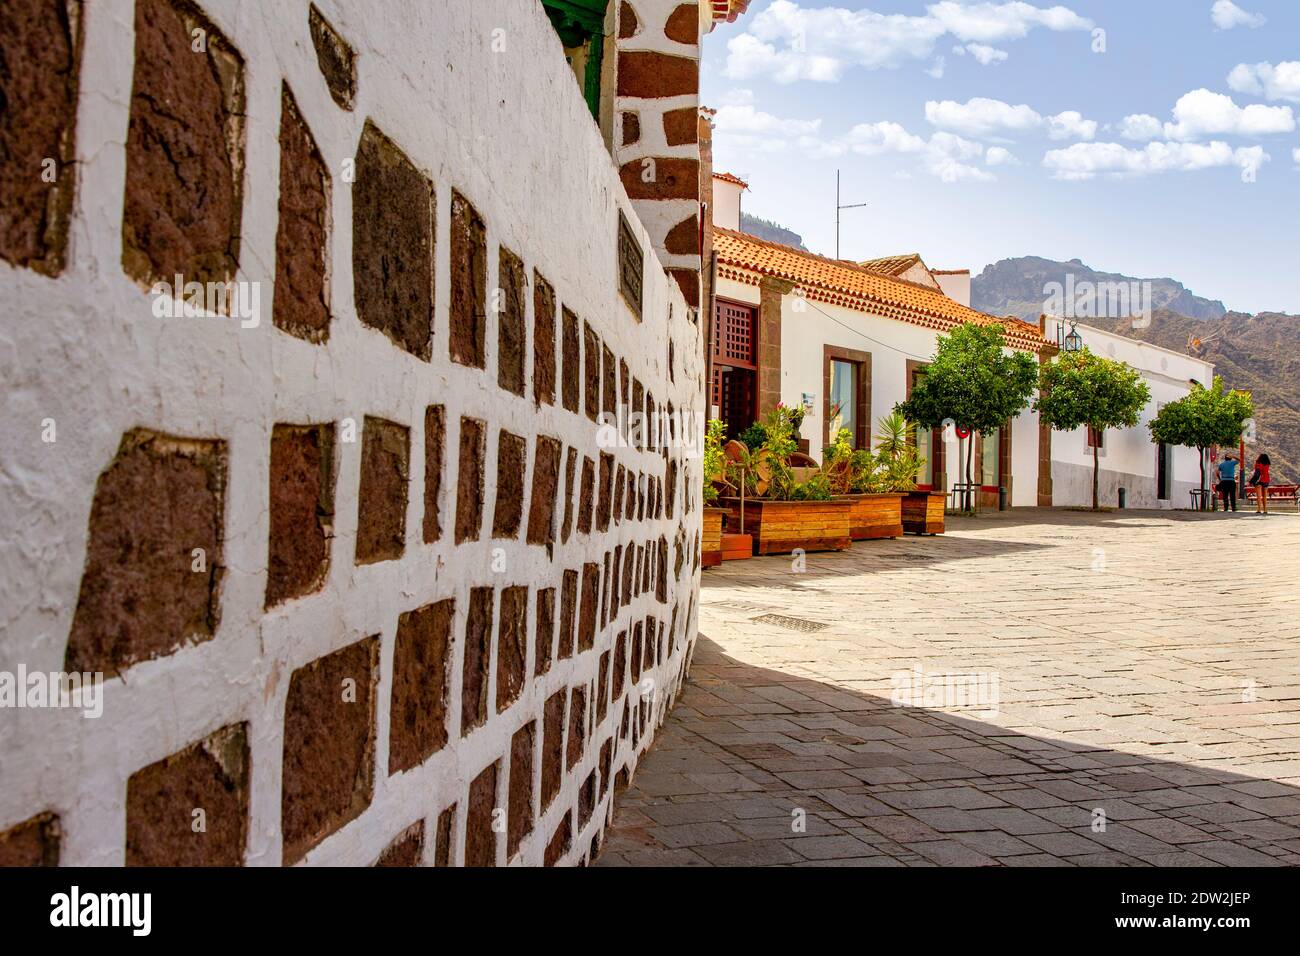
837, 214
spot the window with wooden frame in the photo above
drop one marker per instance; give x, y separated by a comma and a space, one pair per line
927, 441
581, 26
846, 394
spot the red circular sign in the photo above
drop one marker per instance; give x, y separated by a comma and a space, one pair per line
962, 431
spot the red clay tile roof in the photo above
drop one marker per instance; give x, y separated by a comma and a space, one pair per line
728, 178
746, 259
892, 265
728, 10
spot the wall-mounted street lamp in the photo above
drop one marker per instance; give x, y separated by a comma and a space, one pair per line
1072, 342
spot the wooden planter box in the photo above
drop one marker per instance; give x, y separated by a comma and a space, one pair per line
711, 546
875, 516
923, 512
736, 547
779, 527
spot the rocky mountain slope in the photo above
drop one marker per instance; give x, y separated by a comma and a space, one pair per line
1017, 287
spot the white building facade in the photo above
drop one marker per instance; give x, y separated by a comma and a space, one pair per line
1153, 476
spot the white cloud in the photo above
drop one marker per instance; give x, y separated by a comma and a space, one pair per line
937, 68
1281, 82
872, 139
748, 128
1295, 157
786, 42
981, 117
999, 22
998, 156
1227, 15
1070, 125
1201, 113
984, 54
1087, 160
1141, 126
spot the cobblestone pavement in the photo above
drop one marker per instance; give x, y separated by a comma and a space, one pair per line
1096, 690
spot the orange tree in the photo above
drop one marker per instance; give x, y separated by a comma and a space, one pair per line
1079, 388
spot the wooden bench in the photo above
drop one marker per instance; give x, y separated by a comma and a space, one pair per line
1277, 493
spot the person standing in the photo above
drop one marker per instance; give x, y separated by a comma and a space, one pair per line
1260, 479
1228, 481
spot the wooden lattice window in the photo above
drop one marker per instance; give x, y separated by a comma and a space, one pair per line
735, 341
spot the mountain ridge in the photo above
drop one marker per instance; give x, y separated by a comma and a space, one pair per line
1019, 287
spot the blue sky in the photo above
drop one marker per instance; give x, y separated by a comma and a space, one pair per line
1169, 145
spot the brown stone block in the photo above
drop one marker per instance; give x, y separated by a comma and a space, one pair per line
545, 637
519, 812
191, 809
591, 370
512, 646
184, 149
328, 771
301, 295
512, 338
681, 127
559, 843
335, 58
568, 614
644, 73
586, 496
609, 390
40, 50
688, 280
586, 799
571, 465
446, 831
602, 687
407, 848
34, 842
577, 727
543, 341
631, 127
435, 437
381, 494
469, 480
627, 21
393, 244
606, 762
468, 283
684, 238
301, 512
480, 837
546, 479
552, 747
605, 499
590, 608
508, 512
570, 350
683, 26
661, 177
478, 661
154, 560
421, 685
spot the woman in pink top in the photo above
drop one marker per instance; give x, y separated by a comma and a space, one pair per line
1260, 480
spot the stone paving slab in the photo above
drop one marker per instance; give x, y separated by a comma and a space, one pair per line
1120, 689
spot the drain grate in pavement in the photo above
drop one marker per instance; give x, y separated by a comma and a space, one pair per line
789, 623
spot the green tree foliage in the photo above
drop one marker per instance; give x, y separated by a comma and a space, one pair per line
1079, 388
1202, 418
972, 381
714, 461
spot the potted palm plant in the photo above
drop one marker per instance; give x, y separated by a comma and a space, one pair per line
781, 511
873, 483
899, 462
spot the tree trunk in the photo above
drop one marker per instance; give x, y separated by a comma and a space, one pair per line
1094, 473
971, 497
1200, 454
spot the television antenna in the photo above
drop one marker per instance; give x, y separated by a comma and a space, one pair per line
839, 207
